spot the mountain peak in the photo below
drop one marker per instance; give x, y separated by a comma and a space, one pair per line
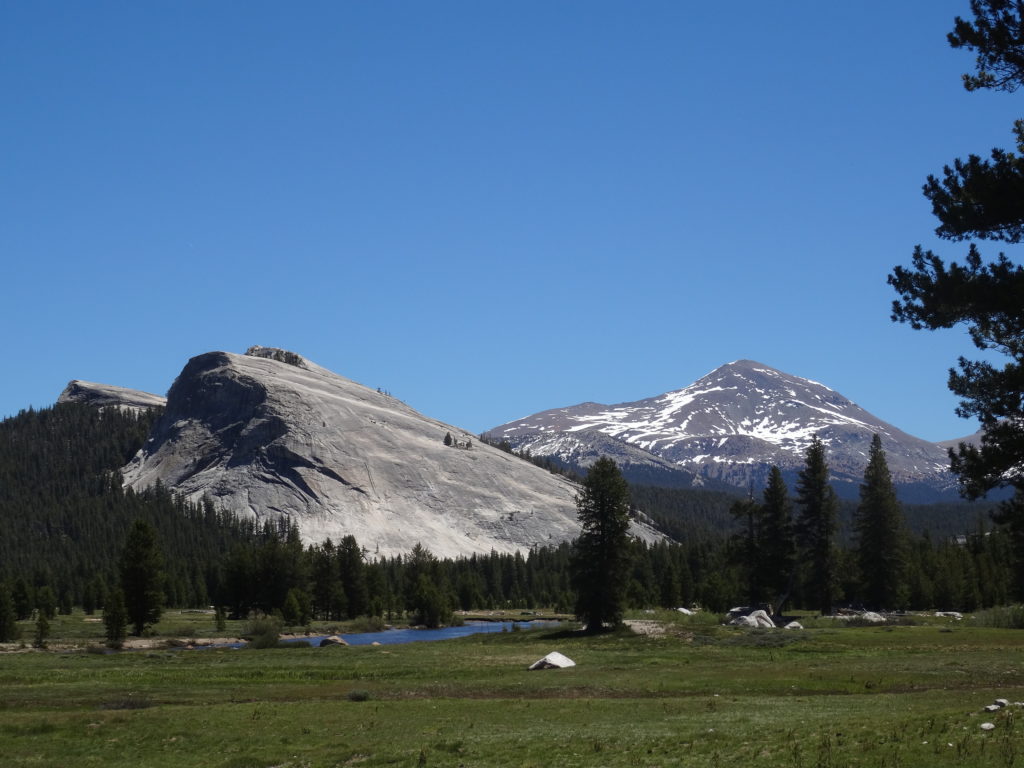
731, 425
272, 435
107, 395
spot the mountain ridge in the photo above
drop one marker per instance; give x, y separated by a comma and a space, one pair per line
731, 425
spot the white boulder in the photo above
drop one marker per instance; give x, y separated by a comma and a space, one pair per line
755, 619
553, 660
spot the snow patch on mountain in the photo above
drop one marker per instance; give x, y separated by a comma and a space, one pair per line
735, 422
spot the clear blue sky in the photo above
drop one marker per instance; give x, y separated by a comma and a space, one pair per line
487, 208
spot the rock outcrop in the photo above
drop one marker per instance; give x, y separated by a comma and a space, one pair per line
107, 395
270, 434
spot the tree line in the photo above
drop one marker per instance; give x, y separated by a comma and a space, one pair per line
68, 531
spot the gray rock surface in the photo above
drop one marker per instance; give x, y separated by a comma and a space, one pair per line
273, 435
107, 395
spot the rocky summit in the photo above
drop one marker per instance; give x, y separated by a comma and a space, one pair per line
271, 434
106, 396
729, 427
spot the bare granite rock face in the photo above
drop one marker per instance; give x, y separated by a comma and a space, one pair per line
107, 395
270, 434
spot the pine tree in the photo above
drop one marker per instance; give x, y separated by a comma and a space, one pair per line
881, 540
981, 199
8, 618
745, 550
352, 569
600, 560
776, 540
46, 601
23, 599
142, 577
817, 526
291, 611
115, 618
42, 630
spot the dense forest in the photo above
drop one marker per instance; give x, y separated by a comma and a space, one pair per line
64, 518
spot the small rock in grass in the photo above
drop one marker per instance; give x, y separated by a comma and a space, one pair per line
993, 708
1002, 702
988, 726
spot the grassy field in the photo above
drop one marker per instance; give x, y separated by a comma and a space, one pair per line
701, 695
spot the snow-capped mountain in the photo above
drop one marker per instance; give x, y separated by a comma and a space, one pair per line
730, 427
270, 434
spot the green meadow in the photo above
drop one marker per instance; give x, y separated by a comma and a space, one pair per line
699, 695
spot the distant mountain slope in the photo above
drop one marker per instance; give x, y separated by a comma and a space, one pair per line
270, 434
730, 427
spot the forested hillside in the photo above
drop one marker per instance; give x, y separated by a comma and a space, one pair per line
64, 518
64, 515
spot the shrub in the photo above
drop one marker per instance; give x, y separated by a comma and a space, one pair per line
358, 694
1004, 617
263, 632
365, 624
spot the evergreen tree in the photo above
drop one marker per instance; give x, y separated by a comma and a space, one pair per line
291, 611
23, 599
776, 540
981, 199
352, 569
881, 541
42, 630
746, 552
115, 618
670, 589
142, 577
8, 618
46, 601
429, 606
600, 560
816, 528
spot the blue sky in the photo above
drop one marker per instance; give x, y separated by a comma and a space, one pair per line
487, 208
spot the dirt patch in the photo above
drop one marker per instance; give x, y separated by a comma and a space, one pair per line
646, 627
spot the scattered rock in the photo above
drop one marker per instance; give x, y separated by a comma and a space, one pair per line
553, 660
685, 611
988, 726
951, 615
874, 618
646, 626
794, 625
332, 640
1002, 702
756, 619
993, 708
